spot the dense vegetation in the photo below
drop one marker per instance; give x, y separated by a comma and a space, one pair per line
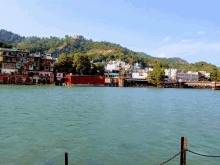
78, 63
3, 45
157, 76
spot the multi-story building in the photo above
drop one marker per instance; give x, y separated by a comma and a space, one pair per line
141, 74
34, 63
13, 60
188, 76
19, 66
171, 75
204, 76
47, 63
115, 65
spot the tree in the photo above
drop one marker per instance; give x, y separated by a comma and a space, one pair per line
82, 63
100, 69
156, 76
93, 69
63, 61
215, 75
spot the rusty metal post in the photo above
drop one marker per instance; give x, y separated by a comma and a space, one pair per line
66, 158
183, 153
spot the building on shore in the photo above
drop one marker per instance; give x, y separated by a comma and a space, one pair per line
188, 76
19, 66
12, 60
84, 80
171, 75
204, 76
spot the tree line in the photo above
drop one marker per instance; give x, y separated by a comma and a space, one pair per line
78, 63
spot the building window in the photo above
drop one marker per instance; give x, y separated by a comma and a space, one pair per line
9, 66
12, 66
5, 65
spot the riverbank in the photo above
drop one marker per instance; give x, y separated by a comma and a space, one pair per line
27, 85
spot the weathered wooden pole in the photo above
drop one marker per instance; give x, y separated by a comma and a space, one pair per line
183, 153
66, 158
214, 88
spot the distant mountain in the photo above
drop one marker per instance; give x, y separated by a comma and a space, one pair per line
173, 60
146, 55
8, 37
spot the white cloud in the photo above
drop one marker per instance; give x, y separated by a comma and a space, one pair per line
186, 41
174, 49
167, 38
201, 32
162, 55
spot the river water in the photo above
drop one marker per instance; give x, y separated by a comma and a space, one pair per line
107, 126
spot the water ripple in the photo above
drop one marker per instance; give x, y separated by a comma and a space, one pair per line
106, 125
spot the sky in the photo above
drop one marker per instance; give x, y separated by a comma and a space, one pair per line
187, 29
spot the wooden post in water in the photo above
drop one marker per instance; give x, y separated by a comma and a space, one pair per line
183, 153
66, 158
214, 86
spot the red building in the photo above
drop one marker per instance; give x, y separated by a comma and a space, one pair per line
47, 64
84, 80
14, 79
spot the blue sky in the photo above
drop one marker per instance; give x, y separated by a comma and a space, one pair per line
187, 29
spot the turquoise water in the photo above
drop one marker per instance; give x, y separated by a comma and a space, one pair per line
105, 125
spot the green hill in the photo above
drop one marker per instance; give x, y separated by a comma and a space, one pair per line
96, 51
8, 37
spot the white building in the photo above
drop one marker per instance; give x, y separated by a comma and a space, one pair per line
111, 67
171, 74
188, 76
115, 65
139, 75
148, 69
204, 76
48, 56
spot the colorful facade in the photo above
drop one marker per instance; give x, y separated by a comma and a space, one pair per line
19, 66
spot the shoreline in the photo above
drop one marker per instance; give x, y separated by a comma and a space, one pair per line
80, 85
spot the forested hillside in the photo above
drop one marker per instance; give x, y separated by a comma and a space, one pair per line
96, 51
10, 38
3, 45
